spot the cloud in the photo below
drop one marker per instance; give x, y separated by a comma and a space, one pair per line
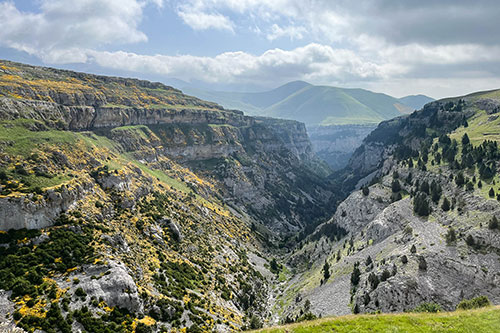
199, 20
61, 32
313, 61
402, 22
294, 33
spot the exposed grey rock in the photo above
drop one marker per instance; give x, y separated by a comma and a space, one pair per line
113, 284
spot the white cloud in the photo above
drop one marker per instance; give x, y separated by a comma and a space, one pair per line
199, 20
313, 61
294, 33
62, 31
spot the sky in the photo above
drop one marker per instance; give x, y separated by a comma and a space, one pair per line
439, 48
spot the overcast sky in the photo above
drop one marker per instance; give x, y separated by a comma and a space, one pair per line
438, 48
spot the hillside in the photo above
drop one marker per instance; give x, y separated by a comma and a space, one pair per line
483, 320
316, 105
126, 205
419, 224
416, 102
337, 119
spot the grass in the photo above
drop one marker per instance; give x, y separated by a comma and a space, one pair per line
481, 320
174, 183
20, 140
481, 127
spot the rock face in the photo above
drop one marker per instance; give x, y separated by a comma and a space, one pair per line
112, 283
263, 165
335, 144
408, 255
31, 211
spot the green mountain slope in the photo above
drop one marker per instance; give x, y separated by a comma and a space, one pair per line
316, 105
416, 101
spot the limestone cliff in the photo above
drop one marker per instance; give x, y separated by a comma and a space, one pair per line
146, 208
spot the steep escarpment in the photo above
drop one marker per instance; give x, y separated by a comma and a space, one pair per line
423, 225
152, 120
126, 205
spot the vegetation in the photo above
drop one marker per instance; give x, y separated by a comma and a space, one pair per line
482, 320
428, 307
474, 303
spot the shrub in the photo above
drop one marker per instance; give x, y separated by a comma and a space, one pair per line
451, 236
475, 303
493, 224
80, 292
385, 275
428, 307
446, 205
422, 263
366, 191
404, 259
470, 240
395, 186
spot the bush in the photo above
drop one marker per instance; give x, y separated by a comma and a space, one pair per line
493, 224
451, 236
395, 186
422, 263
446, 205
428, 307
366, 191
470, 240
475, 303
80, 292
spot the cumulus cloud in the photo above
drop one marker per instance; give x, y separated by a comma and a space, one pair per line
406, 21
365, 42
61, 32
311, 62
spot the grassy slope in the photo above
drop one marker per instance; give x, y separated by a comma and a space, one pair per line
481, 320
312, 104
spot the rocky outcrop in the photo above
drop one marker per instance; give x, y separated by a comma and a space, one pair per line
32, 211
111, 283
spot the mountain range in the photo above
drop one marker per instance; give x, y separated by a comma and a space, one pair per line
316, 105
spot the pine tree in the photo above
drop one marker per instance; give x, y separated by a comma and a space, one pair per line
465, 139
413, 249
326, 271
491, 193
446, 205
355, 275
396, 186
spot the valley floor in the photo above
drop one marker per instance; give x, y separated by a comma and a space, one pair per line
483, 320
